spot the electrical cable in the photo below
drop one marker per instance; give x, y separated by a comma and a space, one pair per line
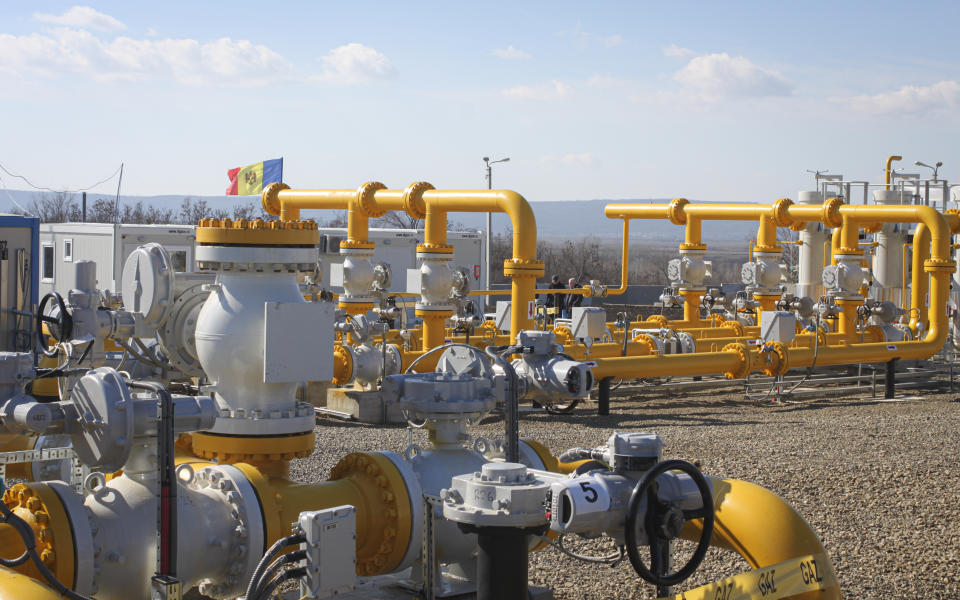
611, 560
276, 568
9, 195
30, 543
46, 189
273, 585
269, 555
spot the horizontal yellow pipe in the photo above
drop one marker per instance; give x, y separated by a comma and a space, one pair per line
636, 367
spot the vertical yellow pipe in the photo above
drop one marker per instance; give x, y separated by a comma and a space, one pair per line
887, 171
624, 261
691, 307
693, 232
920, 278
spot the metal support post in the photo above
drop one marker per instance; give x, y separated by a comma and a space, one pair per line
603, 397
890, 382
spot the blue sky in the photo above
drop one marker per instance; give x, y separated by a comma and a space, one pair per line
728, 101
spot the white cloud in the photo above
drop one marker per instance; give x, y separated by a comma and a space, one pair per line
152, 32
556, 89
612, 40
909, 99
721, 75
83, 17
355, 63
583, 159
582, 38
510, 53
675, 51
188, 61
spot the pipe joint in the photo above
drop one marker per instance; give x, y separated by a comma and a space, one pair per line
515, 267
781, 212
744, 365
675, 211
270, 198
413, 201
366, 199
831, 213
934, 265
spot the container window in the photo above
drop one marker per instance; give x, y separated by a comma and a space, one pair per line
46, 262
68, 250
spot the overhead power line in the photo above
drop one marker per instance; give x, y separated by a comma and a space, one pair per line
46, 189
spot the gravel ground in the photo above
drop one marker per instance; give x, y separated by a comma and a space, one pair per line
877, 480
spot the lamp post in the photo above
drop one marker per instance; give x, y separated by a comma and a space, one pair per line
490, 163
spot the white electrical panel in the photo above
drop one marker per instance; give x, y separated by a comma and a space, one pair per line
336, 274
297, 341
588, 322
413, 281
331, 548
778, 326
503, 315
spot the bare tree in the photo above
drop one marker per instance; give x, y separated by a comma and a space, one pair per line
57, 207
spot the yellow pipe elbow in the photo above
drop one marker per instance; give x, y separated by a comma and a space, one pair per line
624, 264
764, 529
887, 171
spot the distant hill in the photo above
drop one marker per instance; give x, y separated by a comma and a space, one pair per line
575, 218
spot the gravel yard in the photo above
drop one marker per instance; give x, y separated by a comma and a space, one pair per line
878, 481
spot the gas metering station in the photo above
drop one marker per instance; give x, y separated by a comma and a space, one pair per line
167, 470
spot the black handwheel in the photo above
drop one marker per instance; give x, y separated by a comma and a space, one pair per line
663, 523
61, 326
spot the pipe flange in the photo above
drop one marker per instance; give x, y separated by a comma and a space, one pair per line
736, 326
490, 325
349, 244
256, 232
675, 211
771, 249
42, 509
781, 212
777, 359
178, 335
686, 246
383, 486
561, 334
953, 212
798, 226
232, 449
717, 319
652, 346
872, 227
744, 367
246, 541
413, 199
270, 198
831, 213
516, 267
933, 265
365, 197
660, 320
428, 248
342, 365
843, 250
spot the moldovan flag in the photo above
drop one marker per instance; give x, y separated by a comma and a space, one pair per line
249, 181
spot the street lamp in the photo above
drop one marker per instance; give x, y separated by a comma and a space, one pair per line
489, 163
934, 169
